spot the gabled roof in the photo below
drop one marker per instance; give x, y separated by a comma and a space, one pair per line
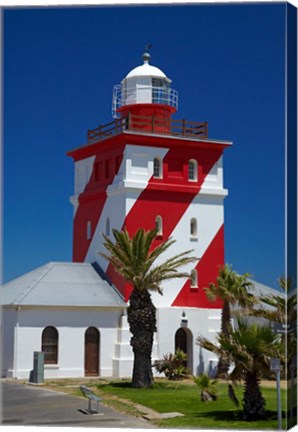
260, 289
61, 284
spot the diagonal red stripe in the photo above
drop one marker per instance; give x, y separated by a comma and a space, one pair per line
207, 269
168, 198
91, 204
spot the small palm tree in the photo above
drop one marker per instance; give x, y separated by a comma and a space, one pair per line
232, 289
250, 347
208, 390
134, 258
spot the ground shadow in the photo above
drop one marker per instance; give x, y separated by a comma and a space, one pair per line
118, 384
233, 415
222, 415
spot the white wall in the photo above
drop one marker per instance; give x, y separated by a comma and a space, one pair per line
8, 323
199, 321
71, 326
116, 357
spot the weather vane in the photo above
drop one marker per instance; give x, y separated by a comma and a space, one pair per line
146, 55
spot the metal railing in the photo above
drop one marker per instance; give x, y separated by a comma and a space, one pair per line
143, 94
149, 124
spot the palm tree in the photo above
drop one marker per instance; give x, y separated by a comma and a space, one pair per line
282, 309
250, 347
134, 258
232, 289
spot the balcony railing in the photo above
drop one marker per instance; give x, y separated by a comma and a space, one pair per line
144, 94
149, 124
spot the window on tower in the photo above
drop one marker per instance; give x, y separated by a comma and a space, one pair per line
108, 227
193, 228
89, 230
194, 279
192, 170
157, 168
158, 224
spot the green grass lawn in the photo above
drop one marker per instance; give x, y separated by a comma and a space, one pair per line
169, 396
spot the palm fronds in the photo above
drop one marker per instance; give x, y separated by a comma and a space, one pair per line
133, 258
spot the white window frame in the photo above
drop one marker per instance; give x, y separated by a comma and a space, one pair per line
192, 165
108, 227
193, 228
157, 168
194, 278
89, 230
158, 224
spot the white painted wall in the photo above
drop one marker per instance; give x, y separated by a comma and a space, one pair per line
199, 321
71, 326
23, 328
8, 324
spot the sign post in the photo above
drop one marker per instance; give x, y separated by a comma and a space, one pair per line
293, 367
275, 367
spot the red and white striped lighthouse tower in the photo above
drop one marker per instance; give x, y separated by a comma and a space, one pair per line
145, 169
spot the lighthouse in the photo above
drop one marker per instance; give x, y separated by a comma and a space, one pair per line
147, 169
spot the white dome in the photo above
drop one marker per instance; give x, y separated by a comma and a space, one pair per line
146, 70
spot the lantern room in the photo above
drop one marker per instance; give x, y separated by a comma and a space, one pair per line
145, 91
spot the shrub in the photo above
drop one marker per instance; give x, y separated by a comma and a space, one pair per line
172, 365
207, 387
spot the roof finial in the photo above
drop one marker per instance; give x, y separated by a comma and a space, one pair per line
146, 55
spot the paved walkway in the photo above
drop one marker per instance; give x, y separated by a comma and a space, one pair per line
31, 405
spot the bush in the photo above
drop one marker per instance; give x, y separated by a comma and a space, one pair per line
172, 365
208, 388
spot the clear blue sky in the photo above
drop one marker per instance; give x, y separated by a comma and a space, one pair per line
60, 65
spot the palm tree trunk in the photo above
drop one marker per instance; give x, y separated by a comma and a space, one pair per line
253, 401
141, 316
223, 364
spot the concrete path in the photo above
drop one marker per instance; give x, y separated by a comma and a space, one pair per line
31, 405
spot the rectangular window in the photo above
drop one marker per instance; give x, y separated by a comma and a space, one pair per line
157, 168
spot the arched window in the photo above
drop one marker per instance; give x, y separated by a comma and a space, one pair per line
108, 227
89, 230
194, 279
158, 224
157, 168
193, 228
49, 345
192, 170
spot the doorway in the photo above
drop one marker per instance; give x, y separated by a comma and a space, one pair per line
92, 339
183, 341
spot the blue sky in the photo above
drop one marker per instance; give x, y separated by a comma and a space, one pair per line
60, 65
